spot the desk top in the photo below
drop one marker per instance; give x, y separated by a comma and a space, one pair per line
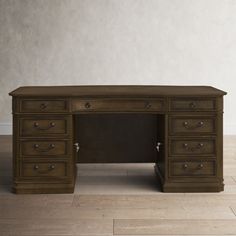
116, 90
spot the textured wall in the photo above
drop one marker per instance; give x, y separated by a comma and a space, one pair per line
56, 42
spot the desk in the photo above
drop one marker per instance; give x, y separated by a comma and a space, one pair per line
179, 128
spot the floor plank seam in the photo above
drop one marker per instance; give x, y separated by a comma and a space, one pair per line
231, 208
234, 178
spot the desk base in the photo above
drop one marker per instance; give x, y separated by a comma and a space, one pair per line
43, 188
182, 187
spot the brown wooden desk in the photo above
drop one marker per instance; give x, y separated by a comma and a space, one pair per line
177, 127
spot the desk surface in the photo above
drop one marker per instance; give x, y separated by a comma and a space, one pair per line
117, 90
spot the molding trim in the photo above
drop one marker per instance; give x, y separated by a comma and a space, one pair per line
5, 128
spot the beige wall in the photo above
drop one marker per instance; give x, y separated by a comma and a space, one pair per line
56, 42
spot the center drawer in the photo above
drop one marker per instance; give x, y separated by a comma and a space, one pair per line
55, 148
129, 105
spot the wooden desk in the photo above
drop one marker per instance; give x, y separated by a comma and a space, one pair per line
177, 127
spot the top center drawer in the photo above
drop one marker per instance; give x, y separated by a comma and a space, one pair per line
44, 105
118, 105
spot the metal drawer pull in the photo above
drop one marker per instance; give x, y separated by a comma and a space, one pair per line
51, 125
199, 146
187, 126
87, 105
50, 168
37, 148
43, 106
200, 166
148, 105
185, 166
36, 167
192, 105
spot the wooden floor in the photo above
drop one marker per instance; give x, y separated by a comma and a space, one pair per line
118, 200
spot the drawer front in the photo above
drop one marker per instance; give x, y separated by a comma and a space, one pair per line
128, 105
192, 125
192, 147
44, 169
192, 168
44, 127
192, 104
40, 106
32, 148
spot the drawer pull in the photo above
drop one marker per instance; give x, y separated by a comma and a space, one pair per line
36, 167
50, 168
43, 106
87, 105
200, 166
37, 148
185, 166
187, 126
192, 105
51, 125
192, 149
148, 105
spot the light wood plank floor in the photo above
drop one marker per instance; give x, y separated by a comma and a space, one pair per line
118, 200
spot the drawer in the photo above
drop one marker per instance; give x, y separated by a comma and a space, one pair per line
192, 168
192, 147
55, 148
128, 105
41, 106
192, 104
47, 126
44, 169
192, 125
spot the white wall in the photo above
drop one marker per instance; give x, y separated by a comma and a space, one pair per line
172, 42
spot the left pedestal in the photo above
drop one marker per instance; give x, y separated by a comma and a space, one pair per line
43, 158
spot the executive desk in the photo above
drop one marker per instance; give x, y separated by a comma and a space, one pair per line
177, 127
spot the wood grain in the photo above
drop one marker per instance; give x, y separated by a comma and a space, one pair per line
56, 226
186, 227
171, 212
